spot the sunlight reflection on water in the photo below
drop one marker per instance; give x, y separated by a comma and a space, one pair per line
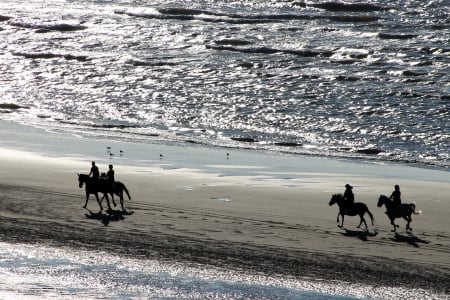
30, 271
37, 271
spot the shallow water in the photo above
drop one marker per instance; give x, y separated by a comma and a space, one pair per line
335, 80
39, 271
36, 271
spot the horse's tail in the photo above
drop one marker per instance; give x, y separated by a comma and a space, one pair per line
413, 207
370, 215
126, 191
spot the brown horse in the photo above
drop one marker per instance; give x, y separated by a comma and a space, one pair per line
93, 186
105, 187
353, 209
400, 211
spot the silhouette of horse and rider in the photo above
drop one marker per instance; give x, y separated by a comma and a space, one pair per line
105, 183
394, 207
347, 206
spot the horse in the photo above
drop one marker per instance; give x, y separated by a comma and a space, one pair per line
400, 211
93, 186
353, 209
117, 189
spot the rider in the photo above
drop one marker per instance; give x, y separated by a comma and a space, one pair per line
110, 177
94, 172
348, 195
396, 196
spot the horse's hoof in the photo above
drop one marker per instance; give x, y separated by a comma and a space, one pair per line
84, 206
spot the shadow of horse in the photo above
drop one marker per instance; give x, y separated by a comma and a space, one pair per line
409, 239
362, 235
111, 216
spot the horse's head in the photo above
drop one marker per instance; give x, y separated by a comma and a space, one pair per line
81, 179
335, 199
382, 200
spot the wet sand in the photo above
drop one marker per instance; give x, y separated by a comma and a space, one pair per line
255, 224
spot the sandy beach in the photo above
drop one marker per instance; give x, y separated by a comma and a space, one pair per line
259, 224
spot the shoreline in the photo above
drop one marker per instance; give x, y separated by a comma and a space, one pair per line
200, 157
256, 216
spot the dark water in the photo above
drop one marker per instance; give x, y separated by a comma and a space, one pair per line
363, 79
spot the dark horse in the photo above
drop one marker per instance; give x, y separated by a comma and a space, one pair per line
400, 211
353, 209
102, 186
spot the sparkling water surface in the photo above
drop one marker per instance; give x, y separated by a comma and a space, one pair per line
36, 272
357, 79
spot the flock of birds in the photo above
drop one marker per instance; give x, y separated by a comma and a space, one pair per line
108, 150
111, 154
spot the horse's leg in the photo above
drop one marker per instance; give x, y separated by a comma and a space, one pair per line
112, 198
408, 220
113, 190
107, 201
395, 226
121, 200
87, 199
342, 223
98, 201
362, 221
337, 219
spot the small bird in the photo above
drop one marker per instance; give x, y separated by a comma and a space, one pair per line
161, 156
228, 155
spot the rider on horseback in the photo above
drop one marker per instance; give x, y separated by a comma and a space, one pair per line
110, 177
94, 172
349, 196
396, 196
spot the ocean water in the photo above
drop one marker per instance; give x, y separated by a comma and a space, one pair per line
43, 272
37, 272
361, 79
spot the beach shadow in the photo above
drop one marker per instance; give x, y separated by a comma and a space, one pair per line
110, 216
362, 235
409, 239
